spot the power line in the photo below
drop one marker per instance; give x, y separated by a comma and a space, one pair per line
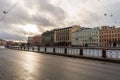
7, 11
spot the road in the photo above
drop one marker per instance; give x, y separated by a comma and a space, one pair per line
23, 65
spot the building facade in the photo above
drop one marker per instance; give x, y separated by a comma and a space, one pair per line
109, 36
48, 38
11, 43
36, 40
62, 37
30, 41
2, 42
85, 37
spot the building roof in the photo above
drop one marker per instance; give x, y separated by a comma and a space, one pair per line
109, 28
67, 27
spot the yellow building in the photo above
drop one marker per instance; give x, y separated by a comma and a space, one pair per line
62, 37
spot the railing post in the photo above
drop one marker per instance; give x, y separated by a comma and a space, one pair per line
45, 50
103, 53
28, 48
33, 48
38, 48
65, 51
81, 52
21, 47
53, 49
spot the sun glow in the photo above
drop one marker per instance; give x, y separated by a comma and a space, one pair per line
30, 28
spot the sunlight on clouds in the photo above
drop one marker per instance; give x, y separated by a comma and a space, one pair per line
32, 12
30, 29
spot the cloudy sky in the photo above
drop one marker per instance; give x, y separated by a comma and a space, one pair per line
22, 18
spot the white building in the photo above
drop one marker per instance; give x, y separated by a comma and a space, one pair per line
85, 37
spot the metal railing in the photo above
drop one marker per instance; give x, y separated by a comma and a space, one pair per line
104, 53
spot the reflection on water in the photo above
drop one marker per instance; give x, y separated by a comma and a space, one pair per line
29, 66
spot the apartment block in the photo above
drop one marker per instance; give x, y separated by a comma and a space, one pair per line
85, 37
109, 36
62, 37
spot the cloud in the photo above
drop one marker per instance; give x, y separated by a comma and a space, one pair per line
10, 36
45, 16
50, 14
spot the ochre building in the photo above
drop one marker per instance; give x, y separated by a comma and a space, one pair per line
109, 36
